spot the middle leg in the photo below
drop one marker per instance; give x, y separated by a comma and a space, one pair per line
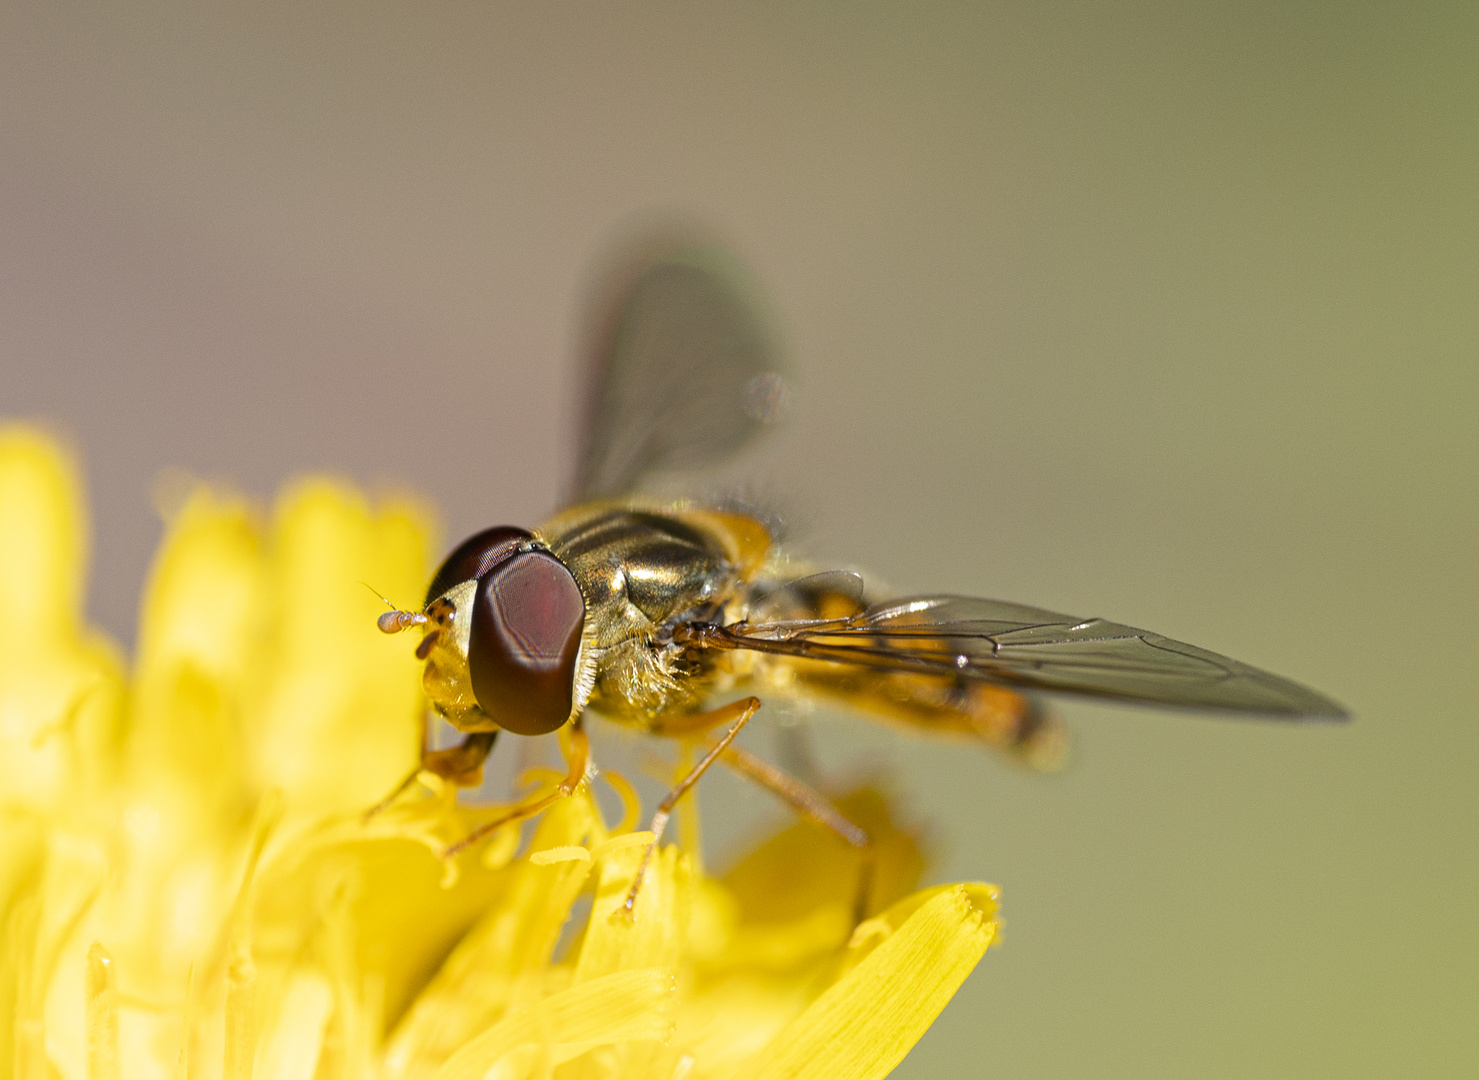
739, 712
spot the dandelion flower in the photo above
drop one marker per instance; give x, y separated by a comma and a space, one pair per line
189, 889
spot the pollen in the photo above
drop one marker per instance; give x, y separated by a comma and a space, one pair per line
190, 888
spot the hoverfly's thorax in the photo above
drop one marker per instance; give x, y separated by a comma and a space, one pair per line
639, 568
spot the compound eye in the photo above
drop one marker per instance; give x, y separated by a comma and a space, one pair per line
525, 637
475, 556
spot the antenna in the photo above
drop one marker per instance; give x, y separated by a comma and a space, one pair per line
395, 620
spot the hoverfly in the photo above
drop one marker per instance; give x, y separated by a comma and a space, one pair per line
644, 610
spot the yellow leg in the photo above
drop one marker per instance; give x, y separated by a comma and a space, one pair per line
580, 755
740, 711
805, 800
462, 764
815, 807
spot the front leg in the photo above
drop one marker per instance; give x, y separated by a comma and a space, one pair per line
461, 764
579, 763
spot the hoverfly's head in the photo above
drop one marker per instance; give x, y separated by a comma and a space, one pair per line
503, 621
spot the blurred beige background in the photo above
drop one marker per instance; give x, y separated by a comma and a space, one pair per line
1165, 312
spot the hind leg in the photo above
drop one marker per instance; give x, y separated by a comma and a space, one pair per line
815, 807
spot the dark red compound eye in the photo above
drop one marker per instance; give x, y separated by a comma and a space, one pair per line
473, 558
526, 620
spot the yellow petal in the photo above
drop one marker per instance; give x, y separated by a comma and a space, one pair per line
60, 686
43, 541
337, 725
505, 953
624, 1006
652, 934
291, 1050
203, 601
404, 922
201, 611
804, 868
863, 1025
731, 1019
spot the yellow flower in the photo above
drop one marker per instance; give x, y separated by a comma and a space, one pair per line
188, 888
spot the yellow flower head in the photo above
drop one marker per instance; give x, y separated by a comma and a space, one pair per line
189, 887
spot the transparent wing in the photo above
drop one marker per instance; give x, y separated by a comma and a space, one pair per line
684, 375
806, 598
1029, 648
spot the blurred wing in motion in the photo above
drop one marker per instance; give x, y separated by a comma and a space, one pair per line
1027, 648
684, 375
